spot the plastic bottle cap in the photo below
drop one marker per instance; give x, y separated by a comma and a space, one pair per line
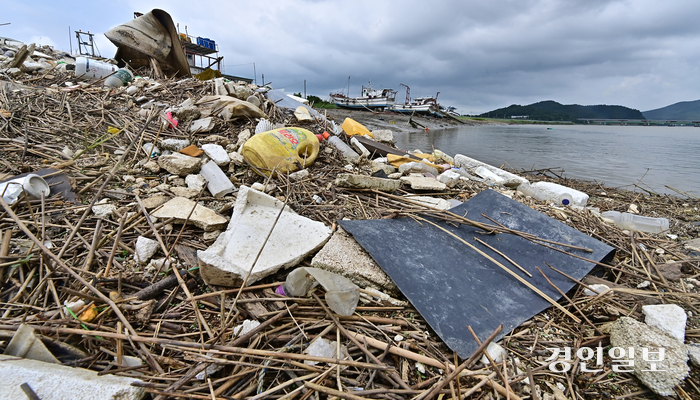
326, 135
565, 202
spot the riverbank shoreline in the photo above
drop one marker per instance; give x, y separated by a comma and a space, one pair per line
397, 122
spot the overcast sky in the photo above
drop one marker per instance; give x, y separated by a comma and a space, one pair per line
480, 55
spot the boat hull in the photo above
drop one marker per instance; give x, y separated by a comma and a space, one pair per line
410, 109
379, 102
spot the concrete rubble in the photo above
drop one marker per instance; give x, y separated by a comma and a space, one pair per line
343, 255
51, 381
181, 209
234, 255
83, 271
663, 375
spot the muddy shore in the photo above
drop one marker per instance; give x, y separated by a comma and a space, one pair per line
395, 121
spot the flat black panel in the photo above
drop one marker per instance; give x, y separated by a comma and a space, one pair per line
453, 286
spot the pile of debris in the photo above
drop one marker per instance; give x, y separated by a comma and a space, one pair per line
169, 250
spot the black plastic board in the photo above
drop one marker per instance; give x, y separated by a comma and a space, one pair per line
453, 286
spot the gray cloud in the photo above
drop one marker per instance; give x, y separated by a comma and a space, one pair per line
478, 55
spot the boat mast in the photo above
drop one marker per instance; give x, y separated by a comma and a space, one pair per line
408, 93
348, 86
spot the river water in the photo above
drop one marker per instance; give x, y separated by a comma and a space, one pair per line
652, 157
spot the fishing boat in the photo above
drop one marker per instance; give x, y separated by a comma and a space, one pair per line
419, 105
370, 98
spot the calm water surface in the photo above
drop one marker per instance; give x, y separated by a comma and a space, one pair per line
651, 156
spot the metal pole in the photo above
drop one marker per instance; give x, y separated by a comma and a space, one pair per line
255, 75
70, 40
348, 85
304, 88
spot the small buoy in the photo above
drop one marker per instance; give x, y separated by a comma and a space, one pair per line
427, 129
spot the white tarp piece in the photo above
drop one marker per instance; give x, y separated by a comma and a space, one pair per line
228, 260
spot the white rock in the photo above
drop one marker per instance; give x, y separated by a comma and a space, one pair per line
398, 338
383, 135
216, 153
644, 284
145, 249
245, 327
670, 318
195, 181
299, 175
496, 352
180, 164
596, 288
174, 145
102, 209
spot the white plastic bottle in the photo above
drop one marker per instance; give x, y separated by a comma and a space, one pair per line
548, 191
635, 222
346, 150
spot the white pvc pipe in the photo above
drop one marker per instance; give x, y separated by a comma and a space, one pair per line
33, 185
217, 182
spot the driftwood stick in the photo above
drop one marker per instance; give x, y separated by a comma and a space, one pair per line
144, 351
357, 343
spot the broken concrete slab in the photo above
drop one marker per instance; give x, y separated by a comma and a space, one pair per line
228, 260
202, 217
180, 164
423, 183
366, 182
669, 318
54, 381
660, 376
154, 201
343, 255
187, 193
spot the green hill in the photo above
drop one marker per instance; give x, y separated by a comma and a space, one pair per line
685, 110
552, 111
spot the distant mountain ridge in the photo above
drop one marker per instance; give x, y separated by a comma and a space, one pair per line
553, 111
684, 110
